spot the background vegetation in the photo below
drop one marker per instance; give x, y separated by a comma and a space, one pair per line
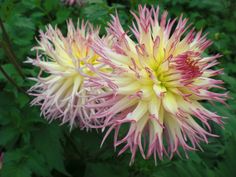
32, 147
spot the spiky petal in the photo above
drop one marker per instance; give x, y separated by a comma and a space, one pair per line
60, 86
161, 79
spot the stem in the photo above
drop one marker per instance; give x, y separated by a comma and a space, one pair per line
10, 79
6, 45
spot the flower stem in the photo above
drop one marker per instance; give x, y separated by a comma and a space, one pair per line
10, 79
7, 47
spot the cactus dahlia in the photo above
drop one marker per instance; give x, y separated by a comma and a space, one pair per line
160, 80
64, 61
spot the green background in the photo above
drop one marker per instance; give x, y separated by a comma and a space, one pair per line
32, 147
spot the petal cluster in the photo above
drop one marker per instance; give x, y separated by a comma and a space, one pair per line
161, 77
60, 86
147, 86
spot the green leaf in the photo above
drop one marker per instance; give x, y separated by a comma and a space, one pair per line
105, 169
50, 5
62, 15
37, 164
48, 142
15, 170
24, 22
23, 99
15, 164
7, 134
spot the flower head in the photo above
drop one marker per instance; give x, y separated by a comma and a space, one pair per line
60, 88
160, 80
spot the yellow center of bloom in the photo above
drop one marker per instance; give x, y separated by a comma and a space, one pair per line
153, 82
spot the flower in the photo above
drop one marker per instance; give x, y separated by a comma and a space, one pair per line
160, 80
60, 87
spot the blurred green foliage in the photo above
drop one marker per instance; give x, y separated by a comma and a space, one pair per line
32, 147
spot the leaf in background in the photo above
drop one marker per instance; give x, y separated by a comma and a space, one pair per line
6, 105
62, 15
95, 1
105, 169
8, 134
40, 149
22, 99
47, 141
226, 167
38, 165
24, 22
15, 170
50, 5
15, 164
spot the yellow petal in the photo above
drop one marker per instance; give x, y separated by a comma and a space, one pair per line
169, 103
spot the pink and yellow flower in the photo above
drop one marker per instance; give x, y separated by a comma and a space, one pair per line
159, 81
60, 88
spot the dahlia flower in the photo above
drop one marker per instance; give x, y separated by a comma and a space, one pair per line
159, 81
60, 87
